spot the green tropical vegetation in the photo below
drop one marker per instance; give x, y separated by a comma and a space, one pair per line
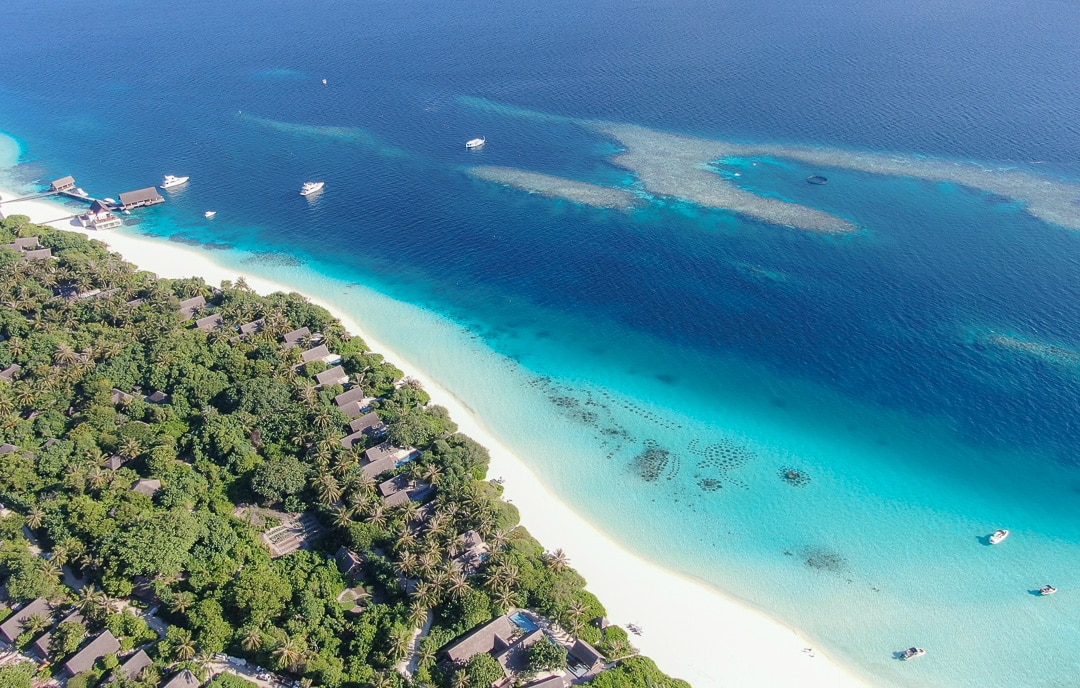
245, 438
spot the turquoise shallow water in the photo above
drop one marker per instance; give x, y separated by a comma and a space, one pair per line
661, 368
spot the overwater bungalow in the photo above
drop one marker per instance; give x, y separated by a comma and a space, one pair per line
63, 184
141, 198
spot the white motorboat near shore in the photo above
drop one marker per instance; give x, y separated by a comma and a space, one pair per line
209, 214
912, 653
999, 536
476, 143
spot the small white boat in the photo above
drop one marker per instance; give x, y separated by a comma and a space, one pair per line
311, 188
324, 82
171, 181
110, 200
80, 192
476, 143
1047, 590
912, 653
209, 214
999, 536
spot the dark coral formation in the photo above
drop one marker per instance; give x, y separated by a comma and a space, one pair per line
794, 477
655, 463
822, 559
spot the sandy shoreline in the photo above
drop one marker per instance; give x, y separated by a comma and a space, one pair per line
691, 630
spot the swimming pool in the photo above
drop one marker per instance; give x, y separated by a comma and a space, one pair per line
523, 622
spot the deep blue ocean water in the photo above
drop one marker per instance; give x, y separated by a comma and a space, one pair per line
720, 349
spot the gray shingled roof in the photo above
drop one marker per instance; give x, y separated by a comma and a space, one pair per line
316, 354
10, 372
492, 636
369, 423
147, 487
84, 659
185, 679
13, 625
134, 664
210, 322
586, 654
332, 376
150, 193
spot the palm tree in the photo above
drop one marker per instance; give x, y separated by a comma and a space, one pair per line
426, 594
253, 639
185, 648
576, 610
328, 488
91, 601
35, 623
35, 517
458, 584
288, 653
557, 560
64, 355
180, 602
50, 570
343, 516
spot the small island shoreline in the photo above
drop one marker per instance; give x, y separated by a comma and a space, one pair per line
692, 631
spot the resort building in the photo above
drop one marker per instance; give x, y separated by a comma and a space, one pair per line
120, 397
100, 216
185, 679
141, 198
296, 337
353, 402
364, 427
10, 372
588, 658
210, 322
13, 625
474, 551
253, 327
515, 658
134, 665
384, 457
400, 490
147, 486
24, 244
63, 184
38, 254
333, 376
7, 448
494, 636
84, 659
114, 462
189, 307
549, 682
349, 562
158, 397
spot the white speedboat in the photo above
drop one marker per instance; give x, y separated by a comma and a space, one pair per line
476, 143
311, 188
171, 181
999, 536
209, 214
912, 653
1047, 590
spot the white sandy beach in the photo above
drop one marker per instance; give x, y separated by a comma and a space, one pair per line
692, 631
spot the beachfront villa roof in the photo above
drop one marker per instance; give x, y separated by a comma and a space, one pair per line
380, 452
586, 654
104, 644
316, 354
26, 243
350, 395
147, 486
185, 679
188, 307
38, 254
210, 322
134, 664
369, 424
296, 336
119, 396
349, 562
13, 625
10, 372
396, 484
493, 636
98, 207
7, 448
353, 409
140, 197
333, 376
63, 184
252, 327
350, 441
158, 397
114, 462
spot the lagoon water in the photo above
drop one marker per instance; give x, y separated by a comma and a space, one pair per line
662, 367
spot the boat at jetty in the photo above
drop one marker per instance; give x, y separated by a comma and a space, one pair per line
476, 143
311, 188
1047, 590
171, 181
999, 535
912, 653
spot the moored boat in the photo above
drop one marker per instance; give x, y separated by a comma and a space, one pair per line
999, 535
1047, 590
912, 653
311, 188
476, 143
209, 214
171, 181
